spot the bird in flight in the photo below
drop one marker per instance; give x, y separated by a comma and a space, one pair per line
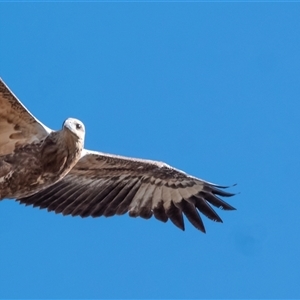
51, 169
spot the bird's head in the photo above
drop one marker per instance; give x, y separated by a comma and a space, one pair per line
76, 127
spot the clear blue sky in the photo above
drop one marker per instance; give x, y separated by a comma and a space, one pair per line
210, 88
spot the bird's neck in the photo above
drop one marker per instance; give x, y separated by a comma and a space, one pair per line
60, 152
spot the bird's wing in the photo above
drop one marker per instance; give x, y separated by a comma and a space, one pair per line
17, 125
104, 184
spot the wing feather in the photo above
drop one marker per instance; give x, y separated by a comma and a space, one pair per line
123, 206
216, 201
192, 214
175, 215
79, 197
141, 204
46, 197
66, 197
205, 208
111, 209
146, 210
102, 204
17, 125
104, 184
160, 213
96, 199
135, 205
158, 206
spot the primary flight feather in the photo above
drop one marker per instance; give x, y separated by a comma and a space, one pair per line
51, 169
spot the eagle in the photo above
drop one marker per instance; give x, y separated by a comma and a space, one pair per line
52, 169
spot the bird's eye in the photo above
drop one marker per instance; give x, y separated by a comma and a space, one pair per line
78, 126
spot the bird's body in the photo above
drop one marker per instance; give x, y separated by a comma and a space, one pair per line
42, 163
51, 169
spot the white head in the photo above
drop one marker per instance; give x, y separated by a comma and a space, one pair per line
76, 127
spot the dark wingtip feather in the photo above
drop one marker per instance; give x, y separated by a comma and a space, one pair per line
192, 214
216, 201
159, 213
145, 213
205, 208
218, 191
175, 215
221, 186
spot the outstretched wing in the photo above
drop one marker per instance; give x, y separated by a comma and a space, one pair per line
104, 184
17, 125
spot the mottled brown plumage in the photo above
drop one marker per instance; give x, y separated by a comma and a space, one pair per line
35, 166
50, 169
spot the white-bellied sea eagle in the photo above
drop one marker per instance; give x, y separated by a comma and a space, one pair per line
51, 169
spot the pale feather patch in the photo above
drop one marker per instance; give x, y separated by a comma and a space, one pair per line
148, 194
166, 193
156, 196
175, 195
6, 177
166, 196
138, 197
185, 193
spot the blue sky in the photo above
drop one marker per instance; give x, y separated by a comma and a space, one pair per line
210, 88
